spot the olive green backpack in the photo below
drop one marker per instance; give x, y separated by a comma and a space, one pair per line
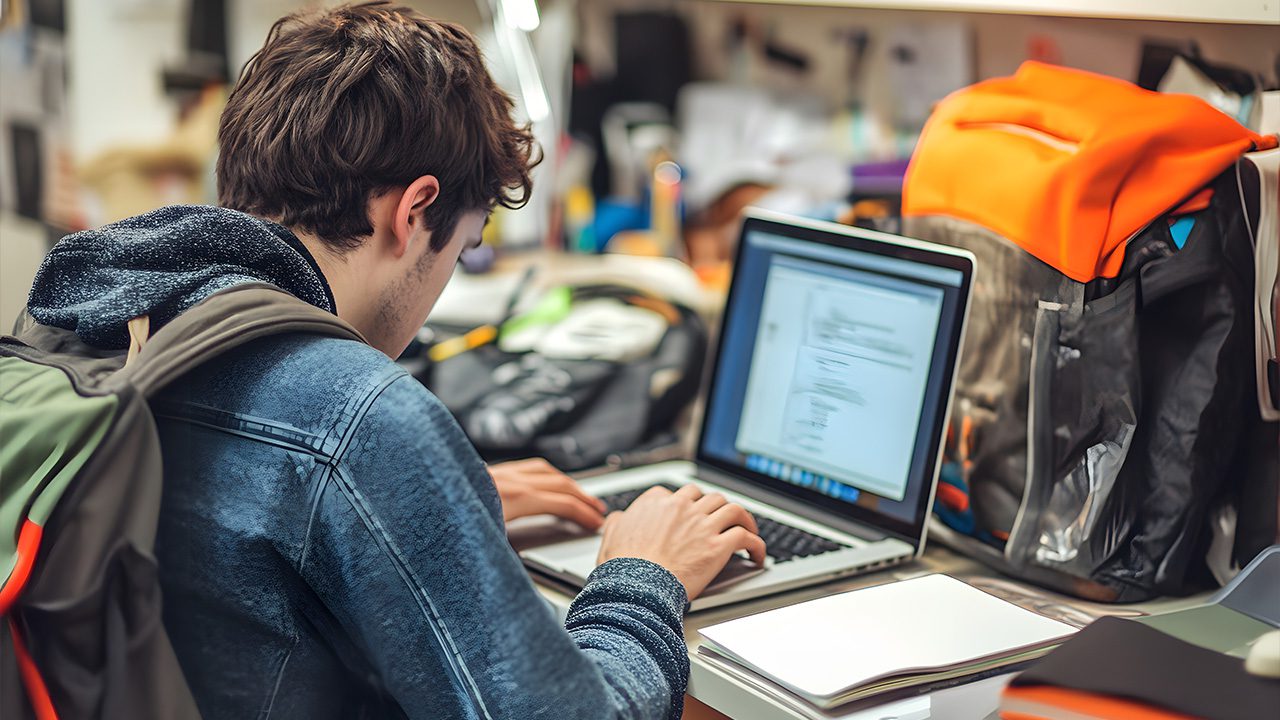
80, 484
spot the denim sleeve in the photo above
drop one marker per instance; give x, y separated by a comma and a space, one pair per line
407, 551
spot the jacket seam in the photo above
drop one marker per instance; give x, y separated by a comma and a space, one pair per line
325, 461
344, 441
274, 440
275, 687
279, 442
362, 409
333, 474
321, 485
337, 437
426, 605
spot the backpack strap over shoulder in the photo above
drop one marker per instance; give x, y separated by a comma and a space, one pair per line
221, 322
78, 520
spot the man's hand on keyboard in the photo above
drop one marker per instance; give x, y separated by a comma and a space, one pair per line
688, 533
534, 487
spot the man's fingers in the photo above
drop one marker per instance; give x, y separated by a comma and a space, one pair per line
690, 492
610, 519
576, 490
571, 508
710, 503
730, 515
739, 538
536, 466
655, 491
544, 481
561, 483
528, 466
570, 486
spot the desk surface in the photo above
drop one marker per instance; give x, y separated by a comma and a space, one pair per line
965, 702
706, 683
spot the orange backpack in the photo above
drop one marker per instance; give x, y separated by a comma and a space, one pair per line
1068, 164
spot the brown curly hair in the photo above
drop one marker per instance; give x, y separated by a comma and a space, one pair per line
343, 104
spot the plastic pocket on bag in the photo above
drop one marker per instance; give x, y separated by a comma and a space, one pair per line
1085, 388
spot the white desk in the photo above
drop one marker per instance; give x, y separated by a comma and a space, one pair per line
707, 684
974, 701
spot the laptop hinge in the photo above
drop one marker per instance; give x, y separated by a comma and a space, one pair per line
782, 502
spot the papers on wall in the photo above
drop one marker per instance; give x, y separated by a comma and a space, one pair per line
927, 62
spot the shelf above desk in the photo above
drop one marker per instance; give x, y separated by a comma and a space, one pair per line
1247, 12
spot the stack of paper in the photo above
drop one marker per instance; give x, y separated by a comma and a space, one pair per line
845, 647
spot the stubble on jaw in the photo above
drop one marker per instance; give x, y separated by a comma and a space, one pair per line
396, 301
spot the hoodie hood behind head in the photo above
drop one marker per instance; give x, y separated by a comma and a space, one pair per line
161, 264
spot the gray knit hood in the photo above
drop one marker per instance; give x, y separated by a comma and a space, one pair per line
162, 263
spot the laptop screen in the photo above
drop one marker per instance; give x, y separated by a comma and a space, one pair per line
834, 369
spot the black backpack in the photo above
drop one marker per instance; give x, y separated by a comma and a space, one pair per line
1098, 426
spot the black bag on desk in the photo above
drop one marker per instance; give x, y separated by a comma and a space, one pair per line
1106, 417
1096, 425
575, 413
1117, 668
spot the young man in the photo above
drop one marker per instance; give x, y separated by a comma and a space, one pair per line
330, 544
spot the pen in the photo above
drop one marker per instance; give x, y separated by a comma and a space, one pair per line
470, 340
482, 335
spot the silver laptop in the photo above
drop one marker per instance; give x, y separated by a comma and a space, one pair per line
825, 408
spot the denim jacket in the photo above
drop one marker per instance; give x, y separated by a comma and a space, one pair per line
330, 544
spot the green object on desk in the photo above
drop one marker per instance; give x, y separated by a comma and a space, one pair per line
551, 309
482, 335
1212, 626
1236, 615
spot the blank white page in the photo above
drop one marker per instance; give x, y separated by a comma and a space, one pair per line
826, 646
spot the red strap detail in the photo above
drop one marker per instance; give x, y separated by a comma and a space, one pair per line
953, 497
37, 693
28, 546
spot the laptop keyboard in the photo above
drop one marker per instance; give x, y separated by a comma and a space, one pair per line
782, 542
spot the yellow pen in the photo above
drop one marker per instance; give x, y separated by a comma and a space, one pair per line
482, 335
446, 349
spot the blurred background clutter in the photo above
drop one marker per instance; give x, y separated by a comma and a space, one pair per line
660, 120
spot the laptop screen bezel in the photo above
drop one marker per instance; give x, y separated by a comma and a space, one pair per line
867, 241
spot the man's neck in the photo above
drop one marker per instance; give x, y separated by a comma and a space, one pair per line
347, 277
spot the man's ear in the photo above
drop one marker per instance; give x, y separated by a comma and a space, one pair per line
409, 217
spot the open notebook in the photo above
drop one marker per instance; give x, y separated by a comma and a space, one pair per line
845, 647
